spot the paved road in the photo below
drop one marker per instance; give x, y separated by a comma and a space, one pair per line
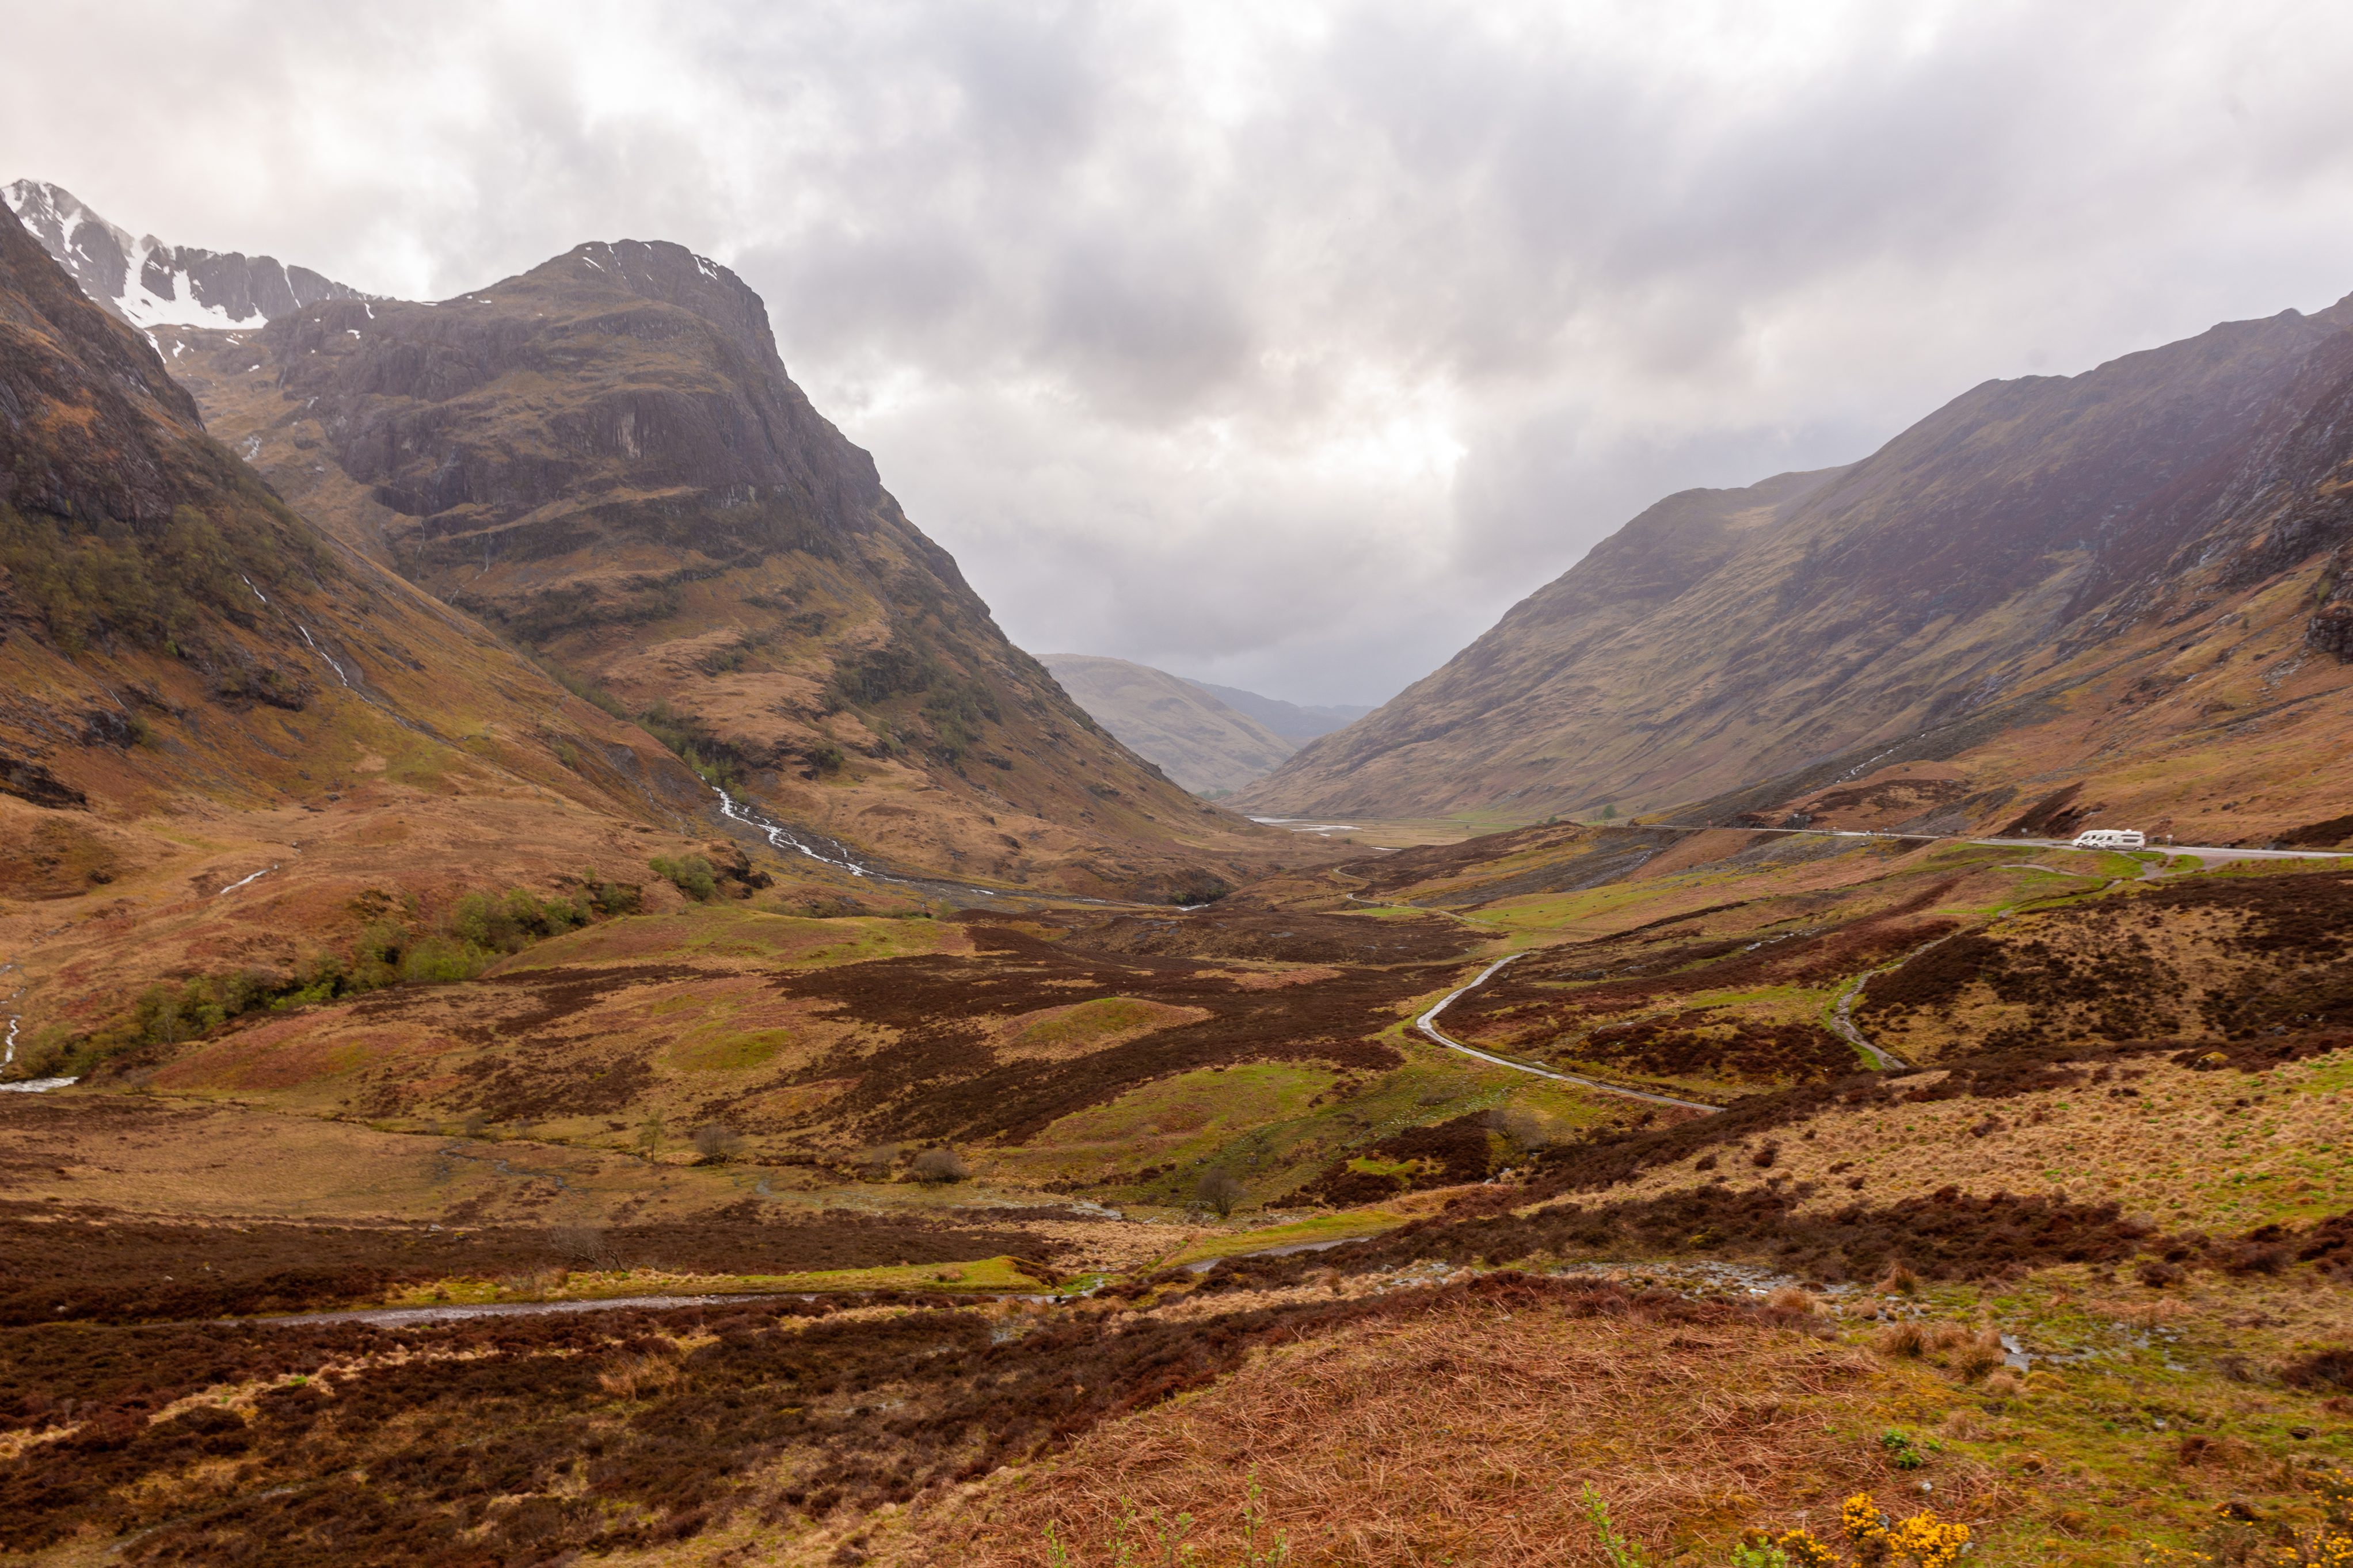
1427, 1024
2220, 852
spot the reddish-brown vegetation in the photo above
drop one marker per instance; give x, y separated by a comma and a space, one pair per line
514, 1441
937, 1076
1467, 1430
2102, 969
1450, 1152
1695, 1044
77, 1265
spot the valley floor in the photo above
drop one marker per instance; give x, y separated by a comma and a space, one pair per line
1035, 1236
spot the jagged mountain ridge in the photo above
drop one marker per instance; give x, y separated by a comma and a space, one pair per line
1981, 573
605, 458
149, 283
1206, 746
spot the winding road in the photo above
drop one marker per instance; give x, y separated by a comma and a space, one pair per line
2223, 852
1427, 1024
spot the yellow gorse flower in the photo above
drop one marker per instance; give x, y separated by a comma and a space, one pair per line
1859, 1517
1804, 1551
1929, 1540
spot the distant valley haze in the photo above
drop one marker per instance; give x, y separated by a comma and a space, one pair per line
1283, 347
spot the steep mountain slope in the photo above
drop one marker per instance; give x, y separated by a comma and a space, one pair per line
171, 627
198, 691
2024, 561
147, 282
1199, 742
1293, 722
605, 458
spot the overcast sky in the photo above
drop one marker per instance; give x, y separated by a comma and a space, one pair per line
1279, 344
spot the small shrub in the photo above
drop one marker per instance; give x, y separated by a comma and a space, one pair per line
1525, 1131
939, 1165
1219, 1190
584, 1247
716, 1142
609, 898
690, 874
1616, 1548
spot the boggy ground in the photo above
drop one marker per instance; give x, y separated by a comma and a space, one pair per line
828, 1046
2162, 1221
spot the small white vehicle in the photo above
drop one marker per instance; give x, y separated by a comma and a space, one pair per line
2111, 839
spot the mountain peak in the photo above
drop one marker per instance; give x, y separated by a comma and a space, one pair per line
149, 283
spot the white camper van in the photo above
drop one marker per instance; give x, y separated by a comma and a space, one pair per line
2112, 838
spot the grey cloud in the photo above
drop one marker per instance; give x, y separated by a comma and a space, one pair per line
1285, 345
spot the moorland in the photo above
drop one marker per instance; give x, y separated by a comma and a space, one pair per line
571, 998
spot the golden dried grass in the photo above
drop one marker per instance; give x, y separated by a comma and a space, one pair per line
2185, 1150
1466, 1434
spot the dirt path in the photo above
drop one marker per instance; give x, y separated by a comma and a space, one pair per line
1427, 1024
1841, 1018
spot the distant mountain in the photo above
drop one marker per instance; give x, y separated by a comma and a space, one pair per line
605, 458
2092, 585
1294, 723
1205, 744
149, 283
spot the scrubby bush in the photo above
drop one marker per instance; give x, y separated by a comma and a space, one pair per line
1924, 1541
690, 874
609, 899
478, 929
1219, 1190
1524, 1129
939, 1165
511, 923
715, 1143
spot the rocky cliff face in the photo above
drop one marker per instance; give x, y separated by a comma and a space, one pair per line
605, 458
149, 283
169, 628
1991, 567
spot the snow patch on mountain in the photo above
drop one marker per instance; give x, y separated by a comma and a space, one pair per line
151, 284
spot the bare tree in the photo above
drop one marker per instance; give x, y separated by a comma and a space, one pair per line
717, 1142
1527, 1131
1219, 1189
939, 1165
584, 1247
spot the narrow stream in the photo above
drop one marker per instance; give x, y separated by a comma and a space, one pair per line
779, 837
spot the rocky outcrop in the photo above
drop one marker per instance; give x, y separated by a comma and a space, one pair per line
146, 282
